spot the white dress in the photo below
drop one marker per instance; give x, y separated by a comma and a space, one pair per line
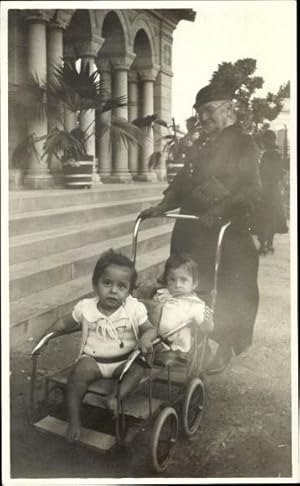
176, 311
109, 336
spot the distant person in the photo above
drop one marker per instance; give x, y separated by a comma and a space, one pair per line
271, 217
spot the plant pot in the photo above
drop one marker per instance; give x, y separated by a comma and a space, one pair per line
173, 167
78, 175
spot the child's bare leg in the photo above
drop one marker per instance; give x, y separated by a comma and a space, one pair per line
85, 372
130, 380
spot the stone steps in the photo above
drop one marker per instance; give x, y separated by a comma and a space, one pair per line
26, 201
42, 273
56, 238
29, 222
44, 243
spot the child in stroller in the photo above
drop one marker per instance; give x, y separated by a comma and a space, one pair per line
180, 303
113, 323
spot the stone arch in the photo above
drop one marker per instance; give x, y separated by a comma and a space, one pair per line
142, 49
115, 36
81, 32
101, 18
80, 24
140, 24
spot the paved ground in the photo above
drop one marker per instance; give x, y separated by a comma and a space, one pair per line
246, 430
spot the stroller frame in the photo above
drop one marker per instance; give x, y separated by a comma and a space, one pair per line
161, 414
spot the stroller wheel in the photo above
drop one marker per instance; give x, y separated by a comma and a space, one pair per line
193, 405
164, 436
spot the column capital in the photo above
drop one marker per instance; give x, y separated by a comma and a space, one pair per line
103, 64
69, 52
149, 74
38, 16
63, 17
54, 25
133, 76
90, 47
123, 62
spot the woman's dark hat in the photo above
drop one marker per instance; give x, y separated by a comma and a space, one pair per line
212, 93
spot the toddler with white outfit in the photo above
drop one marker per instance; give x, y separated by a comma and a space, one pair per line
181, 304
113, 324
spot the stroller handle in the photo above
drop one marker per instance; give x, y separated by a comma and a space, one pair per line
169, 215
42, 343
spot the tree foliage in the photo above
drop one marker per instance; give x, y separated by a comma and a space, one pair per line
240, 79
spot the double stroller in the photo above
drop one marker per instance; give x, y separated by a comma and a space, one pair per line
169, 399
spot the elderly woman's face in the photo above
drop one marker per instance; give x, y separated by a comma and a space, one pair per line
214, 116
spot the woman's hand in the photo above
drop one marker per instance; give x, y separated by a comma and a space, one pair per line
152, 212
211, 217
209, 220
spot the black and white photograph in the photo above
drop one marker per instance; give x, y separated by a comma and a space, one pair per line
149, 242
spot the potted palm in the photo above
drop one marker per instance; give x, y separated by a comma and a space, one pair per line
75, 92
171, 144
171, 147
80, 91
68, 147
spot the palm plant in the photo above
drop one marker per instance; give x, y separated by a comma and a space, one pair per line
75, 91
171, 140
80, 91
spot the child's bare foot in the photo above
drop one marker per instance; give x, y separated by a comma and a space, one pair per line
73, 432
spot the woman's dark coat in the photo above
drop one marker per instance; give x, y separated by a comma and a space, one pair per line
222, 178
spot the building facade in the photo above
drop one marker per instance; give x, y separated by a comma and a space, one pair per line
132, 50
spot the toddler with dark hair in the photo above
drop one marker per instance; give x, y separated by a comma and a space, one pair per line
180, 302
113, 324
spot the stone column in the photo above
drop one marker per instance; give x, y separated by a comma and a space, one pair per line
133, 113
148, 77
70, 117
163, 100
37, 175
87, 51
103, 122
54, 59
87, 118
17, 127
121, 66
55, 46
87, 124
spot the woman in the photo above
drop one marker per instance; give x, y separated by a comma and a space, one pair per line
271, 218
220, 182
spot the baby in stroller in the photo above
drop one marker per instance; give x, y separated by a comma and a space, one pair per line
113, 324
180, 303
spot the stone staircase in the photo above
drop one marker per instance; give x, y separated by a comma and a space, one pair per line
55, 239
